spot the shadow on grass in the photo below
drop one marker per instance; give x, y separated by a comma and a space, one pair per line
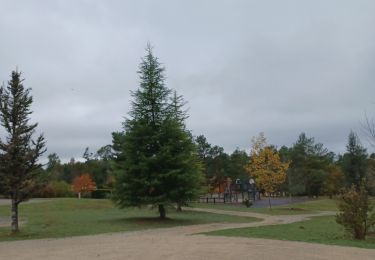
294, 209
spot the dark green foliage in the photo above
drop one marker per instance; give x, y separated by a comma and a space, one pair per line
355, 212
370, 175
101, 194
248, 203
334, 182
19, 153
308, 167
215, 161
87, 155
155, 159
354, 162
218, 165
203, 147
237, 163
53, 161
105, 153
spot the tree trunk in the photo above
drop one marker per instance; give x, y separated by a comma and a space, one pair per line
162, 211
178, 209
14, 216
79, 195
269, 200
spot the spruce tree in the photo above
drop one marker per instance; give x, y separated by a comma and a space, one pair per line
354, 161
155, 158
19, 153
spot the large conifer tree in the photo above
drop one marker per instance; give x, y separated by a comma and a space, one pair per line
155, 160
19, 153
354, 161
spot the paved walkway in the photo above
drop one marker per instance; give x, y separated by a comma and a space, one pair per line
182, 243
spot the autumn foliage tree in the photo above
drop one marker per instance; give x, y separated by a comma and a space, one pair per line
83, 184
266, 167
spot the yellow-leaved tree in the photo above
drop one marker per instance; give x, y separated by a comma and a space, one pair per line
266, 167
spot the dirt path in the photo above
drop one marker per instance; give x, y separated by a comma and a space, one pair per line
266, 220
180, 243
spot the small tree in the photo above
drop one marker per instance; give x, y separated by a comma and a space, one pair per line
19, 153
83, 184
266, 167
354, 161
355, 212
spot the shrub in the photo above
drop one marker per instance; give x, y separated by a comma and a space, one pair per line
55, 189
355, 212
62, 189
101, 194
248, 203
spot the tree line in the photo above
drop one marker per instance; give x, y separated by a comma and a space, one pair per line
313, 169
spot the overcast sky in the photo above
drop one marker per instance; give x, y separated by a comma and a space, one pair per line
281, 67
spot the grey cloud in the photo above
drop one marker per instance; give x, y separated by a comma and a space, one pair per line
281, 67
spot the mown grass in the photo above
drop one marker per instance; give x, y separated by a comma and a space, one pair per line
73, 217
322, 230
291, 209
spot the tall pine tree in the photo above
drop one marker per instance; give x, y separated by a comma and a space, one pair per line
19, 153
354, 161
155, 158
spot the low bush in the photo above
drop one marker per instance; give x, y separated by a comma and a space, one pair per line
355, 212
248, 203
55, 189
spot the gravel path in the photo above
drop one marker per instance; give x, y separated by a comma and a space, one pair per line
181, 243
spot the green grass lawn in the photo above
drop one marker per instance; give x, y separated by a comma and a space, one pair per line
242, 208
322, 204
73, 217
323, 230
293, 209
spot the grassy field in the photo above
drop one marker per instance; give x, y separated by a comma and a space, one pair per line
322, 230
293, 209
73, 217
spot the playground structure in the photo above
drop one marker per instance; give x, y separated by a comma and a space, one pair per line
231, 192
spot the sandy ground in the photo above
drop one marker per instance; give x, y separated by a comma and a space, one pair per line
181, 243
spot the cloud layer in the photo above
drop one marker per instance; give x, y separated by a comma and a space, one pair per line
281, 67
